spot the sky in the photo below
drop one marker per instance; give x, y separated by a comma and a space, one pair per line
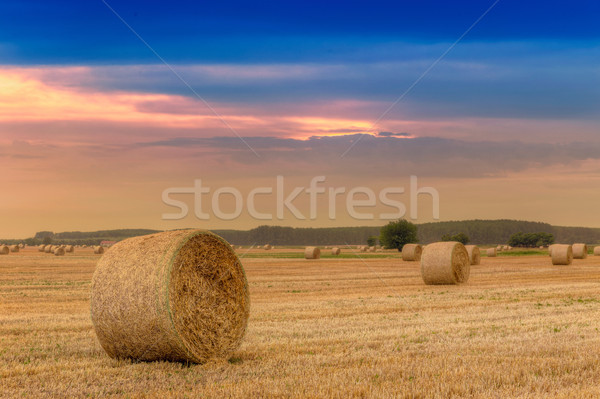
112, 115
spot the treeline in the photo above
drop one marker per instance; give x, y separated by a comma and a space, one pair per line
478, 231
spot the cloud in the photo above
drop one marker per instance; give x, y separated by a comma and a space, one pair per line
390, 134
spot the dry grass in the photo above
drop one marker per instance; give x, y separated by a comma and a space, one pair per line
330, 328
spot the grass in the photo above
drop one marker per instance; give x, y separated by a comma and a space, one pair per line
325, 328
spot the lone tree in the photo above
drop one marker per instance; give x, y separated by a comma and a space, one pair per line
396, 234
460, 237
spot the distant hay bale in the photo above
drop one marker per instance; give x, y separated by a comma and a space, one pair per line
69, 248
363, 248
48, 249
60, 251
335, 251
98, 250
267, 247
562, 254
499, 248
491, 252
312, 253
505, 247
411, 252
41, 248
175, 296
445, 263
474, 254
580, 251
4, 250
597, 251
14, 248
21, 245
371, 249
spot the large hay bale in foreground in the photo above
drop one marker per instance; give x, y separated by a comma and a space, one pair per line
411, 252
335, 251
4, 250
312, 253
445, 263
176, 295
562, 254
597, 250
491, 252
474, 254
60, 251
14, 248
98, 250
580, 251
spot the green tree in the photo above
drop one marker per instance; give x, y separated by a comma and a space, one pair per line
396, 234
460, 237
372, 241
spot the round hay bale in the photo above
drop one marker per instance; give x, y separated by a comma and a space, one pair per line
267, 247
4, 250
363, 248
22, 246
335, 251
491, 252
70, 249
14, 248
48, 249
60, 251
580, 251
562, 254
411, 252
597, 251
98, 250
445, 263
474, 254
371, 249
550, 249
312, 253
41, 248
177, 296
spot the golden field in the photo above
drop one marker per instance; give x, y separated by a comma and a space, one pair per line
352, 327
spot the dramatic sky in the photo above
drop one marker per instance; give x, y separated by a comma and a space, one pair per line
105, 105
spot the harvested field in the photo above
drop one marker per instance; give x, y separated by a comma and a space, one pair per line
343, 327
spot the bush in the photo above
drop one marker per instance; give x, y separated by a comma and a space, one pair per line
531, 240
460, 237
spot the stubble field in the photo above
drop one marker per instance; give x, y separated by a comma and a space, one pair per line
351, 327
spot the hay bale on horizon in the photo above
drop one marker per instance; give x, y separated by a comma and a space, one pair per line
4, 250
177, 296
14, 248
60, 251
562, 254
411, 252
597, 250
372, 249
41, 248
491, 252
267, 247
98, 250
69, 248
363, 248
580, 251
474, 254
312, 253
445, 263
335, 251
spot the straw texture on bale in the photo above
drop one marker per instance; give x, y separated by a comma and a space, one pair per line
335, 251
597, 251
474, 254
267, 247
312, 253
4, 250
580, 251
445, 263
48, 249
562, 254
411, 252
60, 251
176, 295
491, 252
98, 250
14, 248
550, 249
